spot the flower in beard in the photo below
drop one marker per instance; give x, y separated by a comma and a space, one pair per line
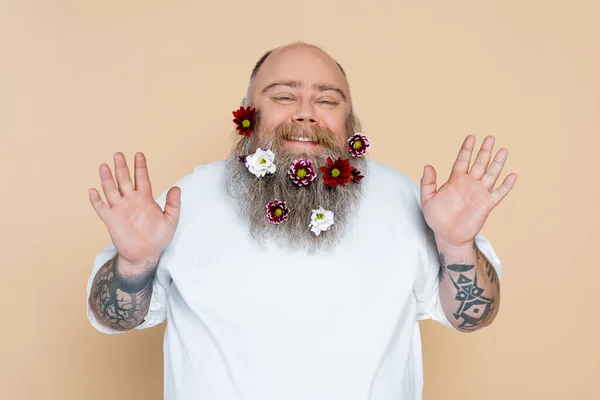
337, 172
321, 220
302, 172
261, 162
358, 145
356, 176
245, 119
277, 211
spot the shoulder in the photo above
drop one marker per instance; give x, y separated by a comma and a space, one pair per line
211, 171
387, 180
200, 183
202, 176
200, 190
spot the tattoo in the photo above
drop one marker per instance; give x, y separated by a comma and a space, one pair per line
122, 303
491, 272
442, 267
474, 308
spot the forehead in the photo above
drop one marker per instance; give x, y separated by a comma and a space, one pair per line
300, 63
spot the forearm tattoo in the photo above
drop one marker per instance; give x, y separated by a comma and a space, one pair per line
474, 308
121, 303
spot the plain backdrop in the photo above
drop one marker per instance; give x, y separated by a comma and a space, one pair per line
80, 80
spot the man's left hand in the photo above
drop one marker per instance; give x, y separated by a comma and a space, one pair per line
457, 211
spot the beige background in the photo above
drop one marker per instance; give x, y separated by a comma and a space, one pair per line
80, 80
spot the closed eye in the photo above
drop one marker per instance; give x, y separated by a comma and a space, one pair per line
283, 99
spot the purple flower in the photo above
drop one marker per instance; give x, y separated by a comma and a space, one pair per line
358, 145
302, 172
277, 211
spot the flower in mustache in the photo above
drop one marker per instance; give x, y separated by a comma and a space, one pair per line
277, 211
358, 145
321, 220
337, 172
302, 172
245, 119
261, 162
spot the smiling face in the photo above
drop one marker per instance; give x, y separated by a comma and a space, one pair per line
304, 116
301, 86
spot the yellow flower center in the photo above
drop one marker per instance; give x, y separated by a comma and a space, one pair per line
246, 123
357, 145
335, 172
262, 161
278, 212
301, 173
320, 216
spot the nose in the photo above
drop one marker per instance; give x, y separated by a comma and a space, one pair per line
305, 114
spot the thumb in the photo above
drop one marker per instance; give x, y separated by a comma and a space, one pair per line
173, 205
428, 184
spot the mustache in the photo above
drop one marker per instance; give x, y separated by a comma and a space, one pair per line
322, 136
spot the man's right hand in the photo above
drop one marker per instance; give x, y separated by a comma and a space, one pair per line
138, 227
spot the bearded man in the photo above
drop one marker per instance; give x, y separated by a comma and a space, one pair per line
297, 268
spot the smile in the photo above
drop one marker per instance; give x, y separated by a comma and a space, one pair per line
301, 139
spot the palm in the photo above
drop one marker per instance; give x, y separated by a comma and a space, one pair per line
139, 228
458, 210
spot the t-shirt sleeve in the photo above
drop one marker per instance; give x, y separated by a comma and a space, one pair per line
427, 281
160, 285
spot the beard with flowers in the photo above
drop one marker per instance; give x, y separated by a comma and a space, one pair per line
280, 205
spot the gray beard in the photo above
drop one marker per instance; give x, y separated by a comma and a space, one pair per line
252, 194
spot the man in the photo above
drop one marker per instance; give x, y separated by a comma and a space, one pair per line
297, 268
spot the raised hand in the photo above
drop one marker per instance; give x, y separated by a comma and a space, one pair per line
138, 227
457, 211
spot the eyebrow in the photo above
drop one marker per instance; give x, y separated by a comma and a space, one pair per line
298, 84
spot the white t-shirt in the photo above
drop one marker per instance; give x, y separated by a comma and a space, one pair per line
250, 322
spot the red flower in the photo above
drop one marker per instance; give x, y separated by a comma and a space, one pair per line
337, 173
302, 172
356, 176
245, 119
358, 145
277, 211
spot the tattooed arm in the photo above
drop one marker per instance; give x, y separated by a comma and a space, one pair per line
469, 287
120, 293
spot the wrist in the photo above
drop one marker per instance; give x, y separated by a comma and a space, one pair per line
454, 252
133, 278
133, 269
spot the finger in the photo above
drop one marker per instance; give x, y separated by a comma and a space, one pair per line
173, 204
495, 169
98, 204
483, 158
461, 165
142, 179
122, 174
428, 184
109, 187
502, 190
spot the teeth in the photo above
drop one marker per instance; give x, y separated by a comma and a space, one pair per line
301, 139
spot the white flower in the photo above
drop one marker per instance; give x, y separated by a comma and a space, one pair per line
321, 220
261, 162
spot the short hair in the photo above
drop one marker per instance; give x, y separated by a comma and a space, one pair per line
261, 61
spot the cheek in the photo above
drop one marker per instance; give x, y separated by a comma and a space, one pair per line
270, 118
337, 124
